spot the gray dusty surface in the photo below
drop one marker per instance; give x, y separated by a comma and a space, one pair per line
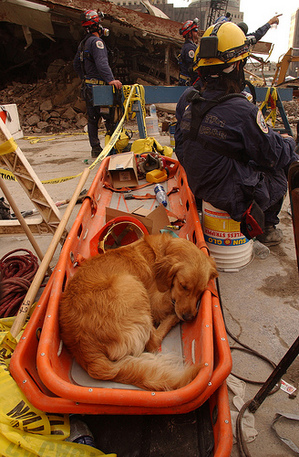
260, 302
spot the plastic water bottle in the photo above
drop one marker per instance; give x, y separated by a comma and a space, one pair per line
260, 250
161, 195
153, 111
80, 433
154, 120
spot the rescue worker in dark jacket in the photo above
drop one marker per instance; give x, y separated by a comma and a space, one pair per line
91, 64
233, 160
189, 30
261, 31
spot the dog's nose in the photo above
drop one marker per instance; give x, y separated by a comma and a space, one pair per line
188, 317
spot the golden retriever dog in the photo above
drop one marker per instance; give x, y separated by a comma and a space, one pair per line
119, 306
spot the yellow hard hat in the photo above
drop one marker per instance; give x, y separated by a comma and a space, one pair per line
221, 43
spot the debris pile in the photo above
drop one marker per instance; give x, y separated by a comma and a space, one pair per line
292, 112
50, 105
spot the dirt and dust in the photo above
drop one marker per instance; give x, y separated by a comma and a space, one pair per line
283, 286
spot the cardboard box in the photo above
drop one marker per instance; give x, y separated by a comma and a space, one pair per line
154, 220
123, 170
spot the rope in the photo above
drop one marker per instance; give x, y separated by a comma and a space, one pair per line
270, 102
17, 272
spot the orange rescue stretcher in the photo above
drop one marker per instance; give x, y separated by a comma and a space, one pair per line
54, 382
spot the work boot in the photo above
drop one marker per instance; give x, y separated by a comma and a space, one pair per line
96, 150
271, 236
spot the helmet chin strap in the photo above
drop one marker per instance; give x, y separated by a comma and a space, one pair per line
242, 74
234, 72
230, 68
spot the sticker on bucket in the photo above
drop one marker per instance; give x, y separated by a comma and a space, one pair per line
230, 248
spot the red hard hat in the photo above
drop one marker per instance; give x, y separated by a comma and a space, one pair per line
120, 231
188, 26
90, 18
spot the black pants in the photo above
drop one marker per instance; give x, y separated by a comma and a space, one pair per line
94, 116
93, 113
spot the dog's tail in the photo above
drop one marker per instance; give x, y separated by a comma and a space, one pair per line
147, 371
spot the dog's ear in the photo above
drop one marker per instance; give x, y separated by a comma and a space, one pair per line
165, 270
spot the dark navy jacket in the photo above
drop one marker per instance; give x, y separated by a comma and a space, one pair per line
186, 59
96, 65
260, 32
228, 184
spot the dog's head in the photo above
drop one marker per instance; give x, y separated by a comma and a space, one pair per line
185, 270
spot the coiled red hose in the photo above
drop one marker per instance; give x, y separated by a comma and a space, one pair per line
17, 273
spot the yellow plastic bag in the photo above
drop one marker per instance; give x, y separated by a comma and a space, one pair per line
150, 144
14, 443
25, 430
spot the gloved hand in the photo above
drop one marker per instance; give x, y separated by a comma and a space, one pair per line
253, 221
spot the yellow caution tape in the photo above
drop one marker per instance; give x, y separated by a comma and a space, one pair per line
133, 95
27, 431
136, 93
5, 174
60, 180
37, 139
139, 95
8, 146
8, 175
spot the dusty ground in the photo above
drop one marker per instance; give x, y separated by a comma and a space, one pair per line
261, 307
260, 302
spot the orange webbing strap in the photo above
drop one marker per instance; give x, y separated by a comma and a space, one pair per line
125, 189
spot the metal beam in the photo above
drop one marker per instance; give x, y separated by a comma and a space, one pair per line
103, 95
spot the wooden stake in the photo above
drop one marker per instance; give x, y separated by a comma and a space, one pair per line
22, 221
38, 278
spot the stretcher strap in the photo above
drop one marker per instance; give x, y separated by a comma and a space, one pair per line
125, 189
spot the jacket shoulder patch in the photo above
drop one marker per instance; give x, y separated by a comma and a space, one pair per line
191, 53
100, 44
261, 122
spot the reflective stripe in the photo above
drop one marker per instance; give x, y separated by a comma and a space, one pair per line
186, 78
94, 81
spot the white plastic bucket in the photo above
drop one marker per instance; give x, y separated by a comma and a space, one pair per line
229, 247
152, 127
